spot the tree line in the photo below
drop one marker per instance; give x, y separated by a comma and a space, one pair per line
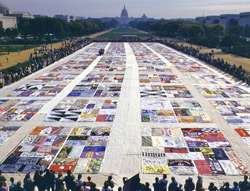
234, 40
46, 26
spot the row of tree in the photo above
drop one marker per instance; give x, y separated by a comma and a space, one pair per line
46, 26
234, 40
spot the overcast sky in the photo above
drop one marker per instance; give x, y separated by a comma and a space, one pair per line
136, 8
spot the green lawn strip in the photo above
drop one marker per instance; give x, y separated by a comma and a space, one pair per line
15, 48
116, 33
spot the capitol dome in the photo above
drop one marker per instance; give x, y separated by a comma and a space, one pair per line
124, 13
4, 9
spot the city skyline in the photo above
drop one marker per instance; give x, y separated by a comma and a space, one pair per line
112, 8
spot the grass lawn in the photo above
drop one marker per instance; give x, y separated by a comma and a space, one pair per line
15, 48
116, 33
14, 58
232, 59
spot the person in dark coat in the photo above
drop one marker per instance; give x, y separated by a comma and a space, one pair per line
69, 180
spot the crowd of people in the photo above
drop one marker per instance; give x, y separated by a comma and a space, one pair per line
36, 62
189, 185
237, 72
49, 181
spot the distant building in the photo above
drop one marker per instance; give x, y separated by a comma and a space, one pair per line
144, 18
124, 20
21, 15
39, 16
10, 18
66, 18
212, 20
8, 22
6, 11
244, 19
229, 20
108, 19
183, 19
80, 18
201, 20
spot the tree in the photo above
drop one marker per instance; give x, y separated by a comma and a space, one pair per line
196, 30
236, 30
216, 29
113, 23
76, 28
56, 27
1, 29
24, 27
229, 40
171, 28
11, 32
247, 31
38, 27
184, 30
145, 26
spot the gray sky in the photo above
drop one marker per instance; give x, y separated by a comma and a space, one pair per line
136, 8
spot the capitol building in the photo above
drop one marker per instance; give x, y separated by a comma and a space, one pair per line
124, 19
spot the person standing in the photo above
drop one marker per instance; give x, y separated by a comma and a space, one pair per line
84, 186
2, 177
106, 187
19, 186
28, 183
212, 187
199, 183
89, 183
157, 185
147, 188
173, 185
79, 179
110, 182
12, 187
38, 180
244, 185
189, 185
59, 182
164, 182
52, 180
69, 180
235, 187
3, 187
